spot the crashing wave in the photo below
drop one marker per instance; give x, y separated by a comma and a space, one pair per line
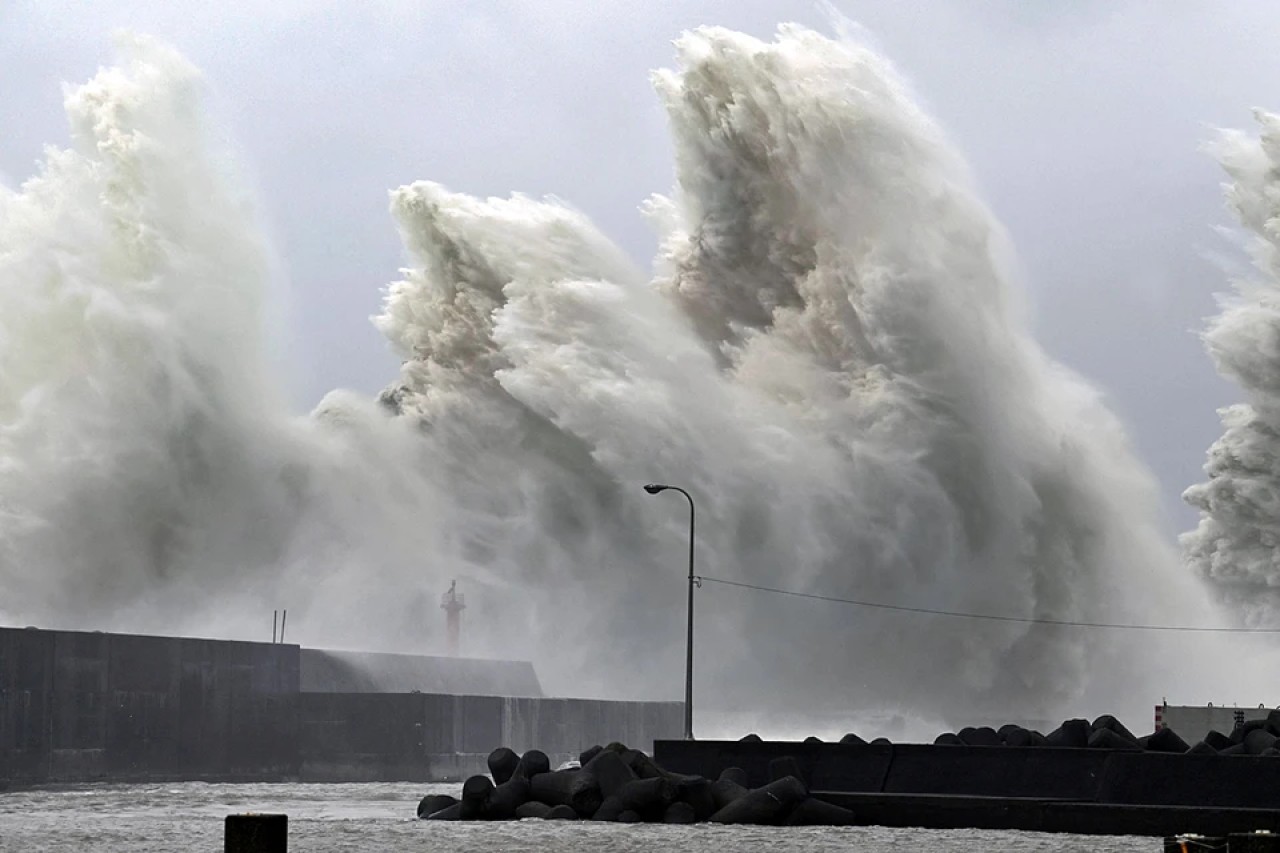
1236, 546
830, 356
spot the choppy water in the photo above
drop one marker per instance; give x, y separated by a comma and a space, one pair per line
380, 816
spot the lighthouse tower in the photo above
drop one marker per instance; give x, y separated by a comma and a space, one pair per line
453, 604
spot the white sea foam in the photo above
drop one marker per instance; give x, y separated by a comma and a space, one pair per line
831, 356
1237, 543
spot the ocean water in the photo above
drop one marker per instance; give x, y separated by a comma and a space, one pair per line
189, 817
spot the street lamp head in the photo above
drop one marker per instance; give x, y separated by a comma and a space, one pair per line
654, 488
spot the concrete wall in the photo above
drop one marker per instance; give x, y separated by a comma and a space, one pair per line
1120, 777
325, 671
78, 706
426, 737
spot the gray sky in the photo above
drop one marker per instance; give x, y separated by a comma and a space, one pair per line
1082, 121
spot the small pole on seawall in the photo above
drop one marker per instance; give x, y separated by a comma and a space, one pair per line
284, 617
275, 614
256, 833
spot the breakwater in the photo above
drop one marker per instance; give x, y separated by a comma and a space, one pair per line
1085, 778
617, 784
1106, 789
89, 706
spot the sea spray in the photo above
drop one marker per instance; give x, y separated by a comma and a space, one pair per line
129, 297
830, 356
1236, 546
152, 479
848, 388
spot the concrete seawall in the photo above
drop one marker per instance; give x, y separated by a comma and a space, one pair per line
411, 737
92, 706
1093, 775
80, 706
1050, 789
328, 671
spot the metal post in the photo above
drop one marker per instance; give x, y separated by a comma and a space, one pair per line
688, 666
653, 489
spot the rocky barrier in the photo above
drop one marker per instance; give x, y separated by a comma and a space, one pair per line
1251, 737
1083, 777
614, 783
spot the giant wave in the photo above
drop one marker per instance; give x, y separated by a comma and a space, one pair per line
830, 353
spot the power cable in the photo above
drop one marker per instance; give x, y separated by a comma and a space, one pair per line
1026, 620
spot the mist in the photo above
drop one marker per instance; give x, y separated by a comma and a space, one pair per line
830, 352
1236, 546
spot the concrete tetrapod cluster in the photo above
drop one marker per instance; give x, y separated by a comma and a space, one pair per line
1252, 737
614, 783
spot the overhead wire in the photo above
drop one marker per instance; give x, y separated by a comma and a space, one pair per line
1026, 620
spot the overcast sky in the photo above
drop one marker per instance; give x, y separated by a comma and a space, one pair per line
1083, 121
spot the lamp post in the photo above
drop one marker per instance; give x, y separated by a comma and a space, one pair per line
653, 489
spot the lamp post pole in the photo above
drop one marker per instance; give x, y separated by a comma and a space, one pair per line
653, 489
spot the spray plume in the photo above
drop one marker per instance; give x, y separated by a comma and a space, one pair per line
830, 356
1236, 546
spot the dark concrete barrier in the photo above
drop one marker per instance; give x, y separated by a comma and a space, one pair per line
432, 803
956, 812
1111, 724
502, 764
1038, 788
815, 812
256, 833
89, 706
983, 736
696, 792
784, 766
900, 768
533, 809
475, 798
533, 762
1191, 780
453, 812
365, 737
1217, 740
1253, 842
725, 791
771, 804
507, 798
1072, 734
1109, 739
680, 813
991, 771
1167, 740
826, 766
608, 771
570, 788
81, 706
